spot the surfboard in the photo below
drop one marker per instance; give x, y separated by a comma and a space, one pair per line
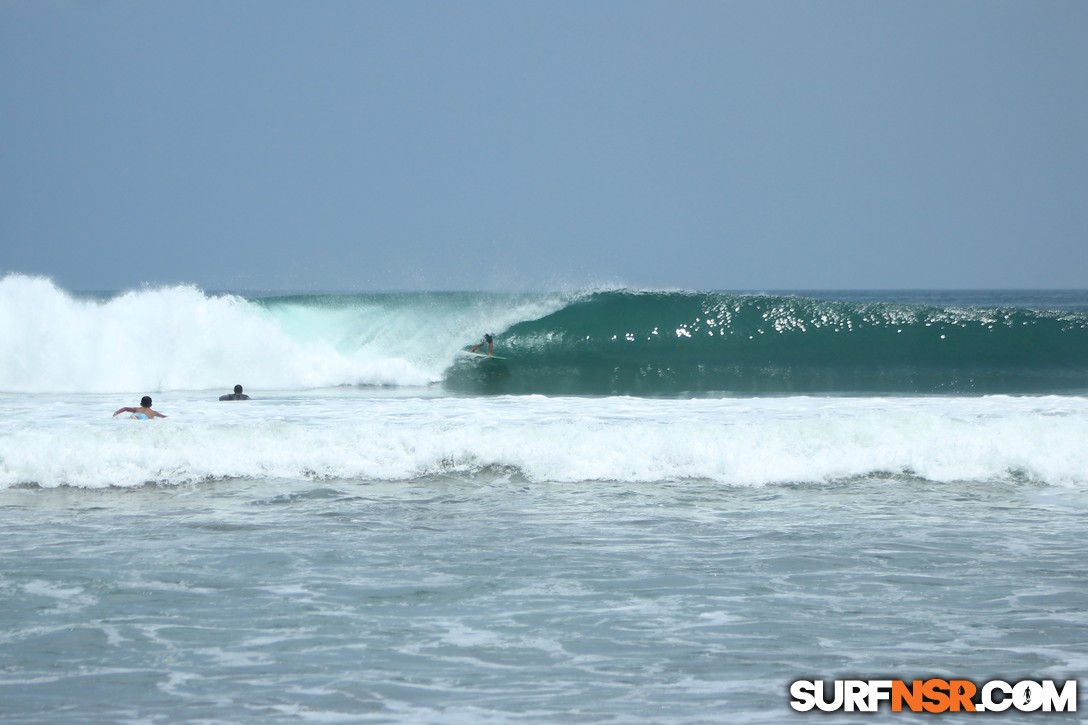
484, 354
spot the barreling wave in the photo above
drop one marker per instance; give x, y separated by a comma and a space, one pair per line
669, 343
616, 342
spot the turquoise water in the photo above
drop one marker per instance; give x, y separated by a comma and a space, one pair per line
642, 343
384, 535
611, 342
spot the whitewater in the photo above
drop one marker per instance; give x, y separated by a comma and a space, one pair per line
181, 338
660, 506
52, 441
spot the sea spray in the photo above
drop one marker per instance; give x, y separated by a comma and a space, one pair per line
181, 338
613, 342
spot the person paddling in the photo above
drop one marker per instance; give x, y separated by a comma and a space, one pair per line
236, 395
144, 412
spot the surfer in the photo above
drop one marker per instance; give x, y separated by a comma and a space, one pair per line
490, 344
144, 412
236, 395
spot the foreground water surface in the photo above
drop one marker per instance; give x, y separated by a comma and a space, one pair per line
487, 590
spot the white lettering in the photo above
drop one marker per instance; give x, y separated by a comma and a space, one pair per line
856, 695
804, 695
1065, 701
940, 695
1027, 696
880, 690
988, 701
821, 698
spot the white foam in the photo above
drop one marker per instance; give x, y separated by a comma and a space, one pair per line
739, 442
179, 338
66, 599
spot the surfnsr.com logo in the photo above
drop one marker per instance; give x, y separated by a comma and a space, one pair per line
934, 695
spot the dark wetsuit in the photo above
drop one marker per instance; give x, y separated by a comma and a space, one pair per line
234, 396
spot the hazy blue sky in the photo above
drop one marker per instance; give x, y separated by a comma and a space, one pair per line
370, 145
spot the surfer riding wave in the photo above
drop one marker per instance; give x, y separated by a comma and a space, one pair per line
489, 340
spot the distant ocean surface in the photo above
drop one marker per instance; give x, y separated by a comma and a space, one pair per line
657, 506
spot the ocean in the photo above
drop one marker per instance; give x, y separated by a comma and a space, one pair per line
658, 507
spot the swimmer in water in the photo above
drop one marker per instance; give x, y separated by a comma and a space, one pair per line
237, 395
144, 412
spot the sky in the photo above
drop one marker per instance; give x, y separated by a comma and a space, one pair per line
367, 145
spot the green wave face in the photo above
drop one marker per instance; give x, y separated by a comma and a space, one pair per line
666, 344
